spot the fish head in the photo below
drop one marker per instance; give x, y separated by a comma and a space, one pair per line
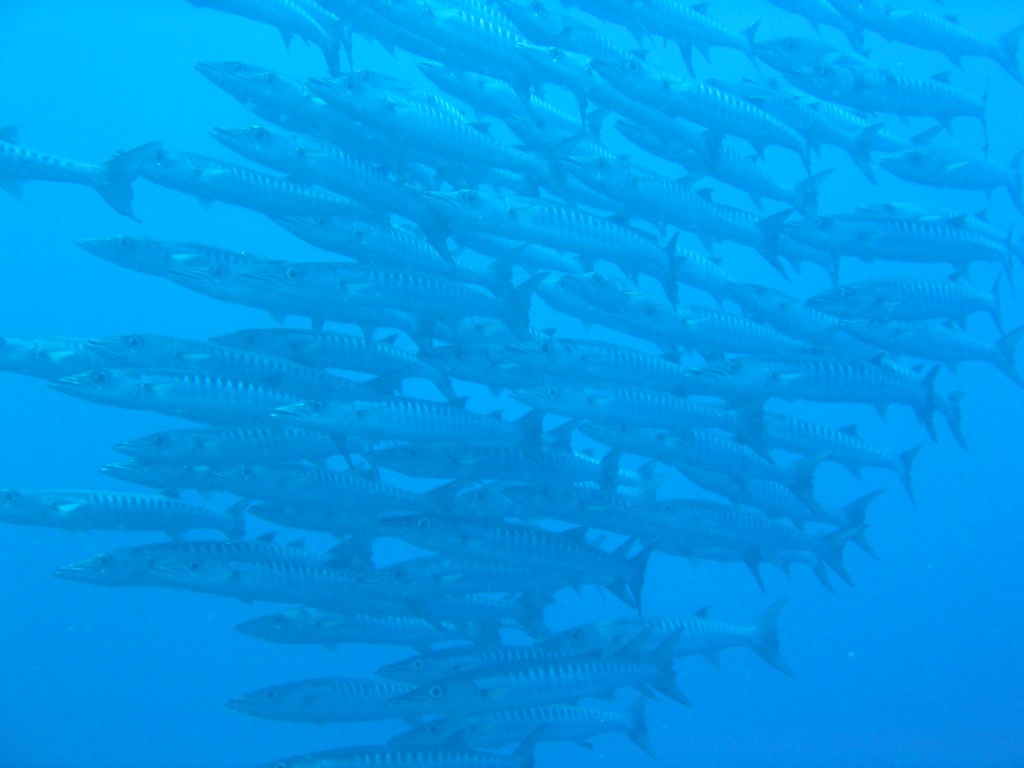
259, 143
628, 73
842, 301
400, 458
157, 474
107, 385
550, 398
165, 166
458, 358
313, 412
555, 63
445, 696
26, 507
218, 278
351, 93
289, 626
585, 639
445, 732
912, 164
122, 567
135, 349
190, 569
287, 702
126, 251
545, 354
252, 85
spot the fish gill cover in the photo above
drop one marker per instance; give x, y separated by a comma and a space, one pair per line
509, 337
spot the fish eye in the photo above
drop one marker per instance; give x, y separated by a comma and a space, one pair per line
270, 77
411, 452
423, 523
292, 273
576, 634
7, 497
342, 284
556, 53
553, 392
100, 377
472, 197
104, 560
633, 66
650, 312
433, 729
277, 620
537, 7
845, 294
321, 221
270, 694
398, 574
733, 366
417, 664
124, 243
159, 439
260, 133
460, 353
160, 156
218, 271
545, 347
245, 472
193, 566
316, 406
135, 342
436, 692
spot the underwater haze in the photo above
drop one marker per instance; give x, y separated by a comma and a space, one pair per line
915, 662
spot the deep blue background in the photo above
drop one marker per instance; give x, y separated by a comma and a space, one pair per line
918, 665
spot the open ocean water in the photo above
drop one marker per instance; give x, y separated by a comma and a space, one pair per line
918, 664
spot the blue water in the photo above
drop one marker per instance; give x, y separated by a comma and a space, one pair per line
917, 665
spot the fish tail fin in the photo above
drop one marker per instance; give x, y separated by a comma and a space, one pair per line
1006, 362
860, 153
532, 620
767, 630
531, 427
806, 194
670, 281
953, 411
906, 460
997, 295
665, 681
523, 756
119, 171
236, 513
770, 227
519, 299
608, 471
637, 731
831, 546
1009, 45
854, 514
638, 570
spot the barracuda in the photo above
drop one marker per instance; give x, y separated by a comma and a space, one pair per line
209, 180
323, 700
47, 357
101, 510
163, 257
211, 399
230, 446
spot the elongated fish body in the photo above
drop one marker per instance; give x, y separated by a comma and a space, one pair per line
323, 700
101, 510
303, 18
544, 681
833, 379
481, 363
309, 626
210, 399
142, 351
162, 257
300, 484
496, 462
525, 546
317, 162
441, 575
403, 757
702, 156
230, 446
688, 26
445, 662
640, 407
942, 169
327, 349
209, 179
349, 290
404, 418
250, 570
47, 357
112, 180
818, 12
427, 129
791, 55
545, 25
163, 476
373, 247
576, 360
560, 227
697, 635
785, 313
701, 103
707, 331
885, 299
940, 343
844, 445
560, 722
895, 238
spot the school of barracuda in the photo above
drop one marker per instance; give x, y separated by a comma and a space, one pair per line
440, 232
